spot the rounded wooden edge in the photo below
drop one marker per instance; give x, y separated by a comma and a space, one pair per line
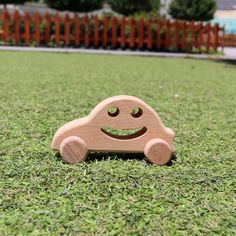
158, 151
73, 150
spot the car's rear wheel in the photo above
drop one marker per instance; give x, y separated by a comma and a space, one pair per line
158, 151
73, 150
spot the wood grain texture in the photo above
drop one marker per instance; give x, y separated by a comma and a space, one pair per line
158, 151
102, 130
73, 149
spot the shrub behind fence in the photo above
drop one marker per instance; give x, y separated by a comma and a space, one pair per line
112, 33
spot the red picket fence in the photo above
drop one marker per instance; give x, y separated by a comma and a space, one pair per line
106, 32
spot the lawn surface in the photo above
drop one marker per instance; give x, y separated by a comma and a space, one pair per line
116, 194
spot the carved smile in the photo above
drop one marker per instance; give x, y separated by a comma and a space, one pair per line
124, 134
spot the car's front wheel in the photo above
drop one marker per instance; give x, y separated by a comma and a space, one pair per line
73, 150
158, 151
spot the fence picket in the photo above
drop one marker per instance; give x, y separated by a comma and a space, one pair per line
149, 34
200, 27
159, 28
140, 33
167, 34
183, 40
37, 27
67, 29
86, 33
192, 34
104, 32
27, 28
76, 30
216, 38
6, 26
123, 36
47, 36
176, 31
208, 31
57, 28
17, 27
114, 32
132, 33
96, 33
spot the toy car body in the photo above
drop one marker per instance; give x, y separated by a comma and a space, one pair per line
93, 133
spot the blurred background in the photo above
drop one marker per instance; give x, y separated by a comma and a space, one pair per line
164, 25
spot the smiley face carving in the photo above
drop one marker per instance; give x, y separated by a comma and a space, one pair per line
117, 124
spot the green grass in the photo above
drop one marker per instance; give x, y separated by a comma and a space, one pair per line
116, 194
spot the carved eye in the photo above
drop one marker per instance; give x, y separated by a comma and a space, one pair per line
136, 112
113, 111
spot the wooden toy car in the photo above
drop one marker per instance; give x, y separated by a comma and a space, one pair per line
95, 133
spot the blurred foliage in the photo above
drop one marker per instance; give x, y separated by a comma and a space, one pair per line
130, 7
125, 7
198, 10
12, 1
75, 5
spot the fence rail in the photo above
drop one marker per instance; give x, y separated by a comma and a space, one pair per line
229, 40
107, 32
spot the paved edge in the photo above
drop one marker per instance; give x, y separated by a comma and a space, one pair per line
115, 52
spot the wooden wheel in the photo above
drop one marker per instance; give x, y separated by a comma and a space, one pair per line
73, 150
158, 151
